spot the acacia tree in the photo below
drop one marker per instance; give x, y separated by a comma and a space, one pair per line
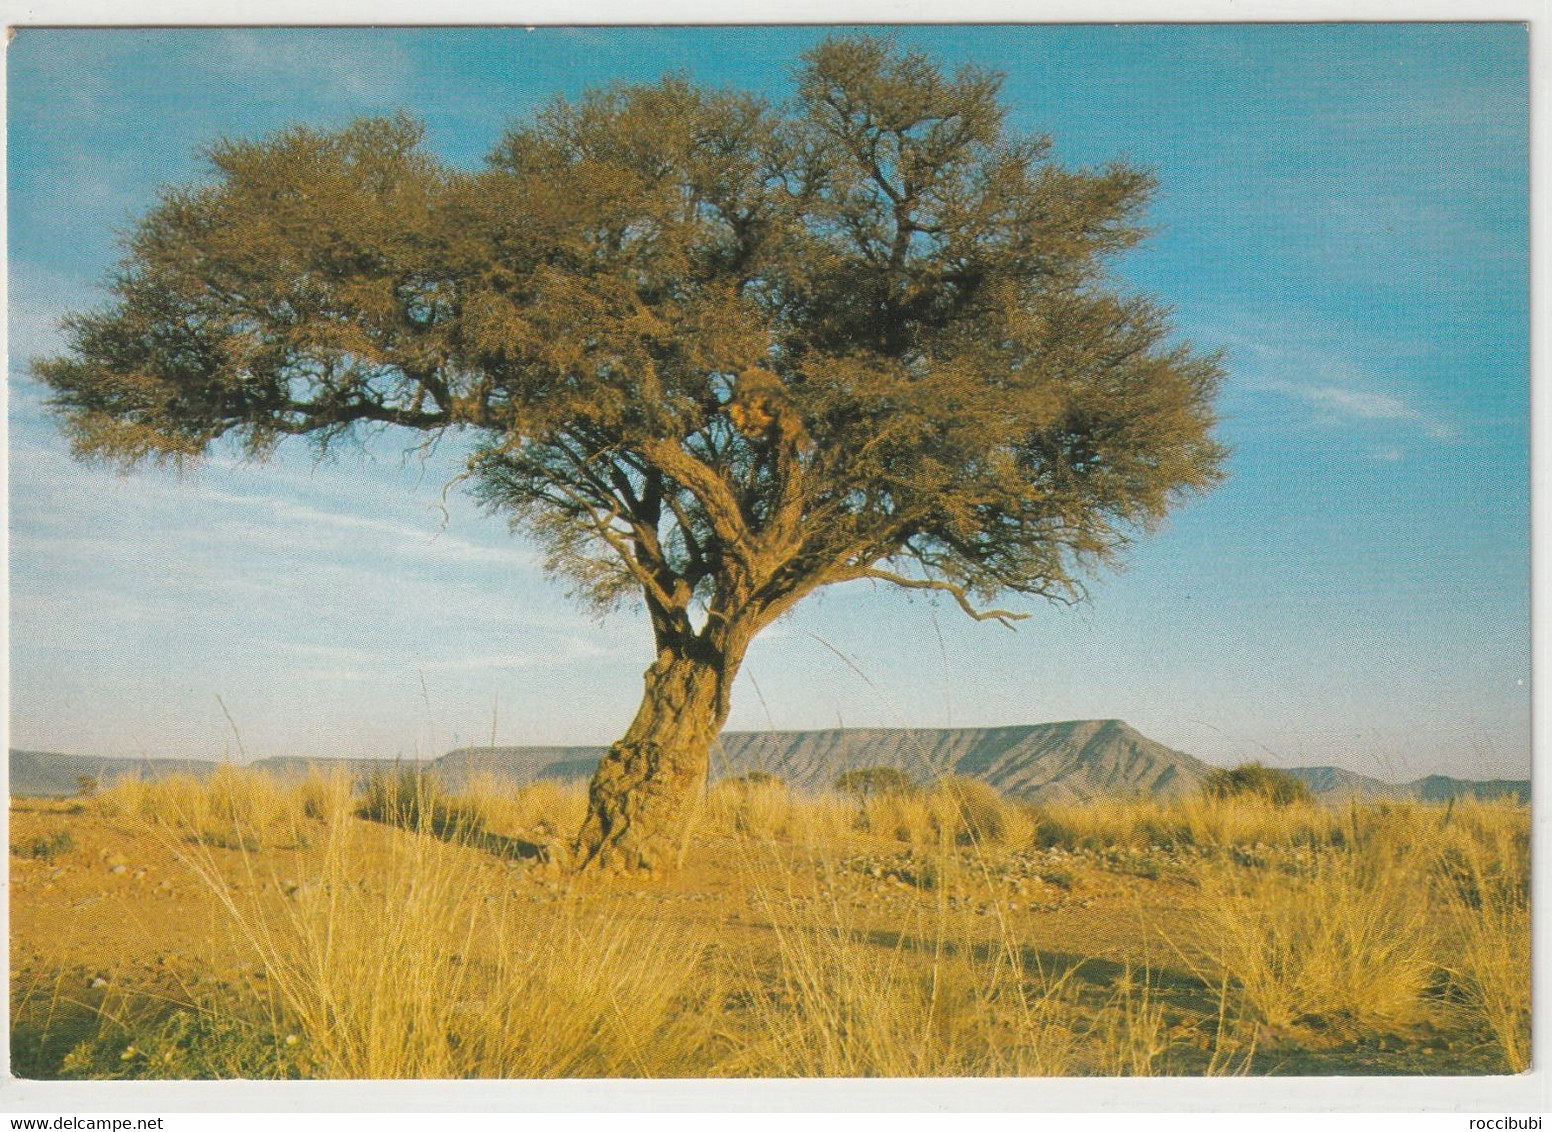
711, 352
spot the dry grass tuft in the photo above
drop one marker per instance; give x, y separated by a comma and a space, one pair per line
1485, 868
935, 997
1337, 938
422, 966
396, 948
543, 810
324, 797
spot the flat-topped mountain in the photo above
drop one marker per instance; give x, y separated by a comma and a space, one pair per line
45, 774
1052, 761
1049, 762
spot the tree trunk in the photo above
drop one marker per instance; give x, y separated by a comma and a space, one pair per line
645, 791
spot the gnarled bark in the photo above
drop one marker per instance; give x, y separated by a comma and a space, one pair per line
646, 790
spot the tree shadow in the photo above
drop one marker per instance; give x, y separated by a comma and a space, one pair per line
504, 847
1185, 986
456, 832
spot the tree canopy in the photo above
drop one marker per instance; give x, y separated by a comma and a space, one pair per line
684, 327
707, 349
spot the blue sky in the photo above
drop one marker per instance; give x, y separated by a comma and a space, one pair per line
1343, 208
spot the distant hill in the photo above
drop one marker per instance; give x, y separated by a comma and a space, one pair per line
45, 774
1333, 783
1441, 788
42, 774
1052, 761
1049, 762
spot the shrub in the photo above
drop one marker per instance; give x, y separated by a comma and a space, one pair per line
45, 848
412, 799
546, 809
323, 796
873, 780
1343, 937
757, 804
246, 798
903, 815
1256, 781
759, 778
968, 810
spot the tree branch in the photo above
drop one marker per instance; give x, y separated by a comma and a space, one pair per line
1004, 617
653, 589
710, 488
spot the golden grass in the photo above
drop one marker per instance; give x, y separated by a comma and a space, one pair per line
408, 963
231, 799
543, 810
953, 810
396, 954
936, 994
1330, 940
1485, 871
1133, 1029
1193, 821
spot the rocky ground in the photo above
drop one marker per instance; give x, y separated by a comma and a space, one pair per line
108, 919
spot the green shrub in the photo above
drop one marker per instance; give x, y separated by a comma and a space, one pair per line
45, 848
1252, 780
233, 839
757, 778
874, 780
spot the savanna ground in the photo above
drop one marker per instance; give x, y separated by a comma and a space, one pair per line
244, 928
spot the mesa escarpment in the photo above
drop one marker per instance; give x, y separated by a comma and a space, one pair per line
1070, 761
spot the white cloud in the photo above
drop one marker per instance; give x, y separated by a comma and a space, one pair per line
573, 648
1298, 363
277, 572
1342, 403
339, 62
95, 508
330, 527
37, 297
374, 660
